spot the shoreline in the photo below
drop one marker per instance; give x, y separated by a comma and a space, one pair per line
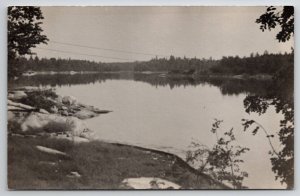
159, 73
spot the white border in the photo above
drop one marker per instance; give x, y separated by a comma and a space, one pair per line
3, 90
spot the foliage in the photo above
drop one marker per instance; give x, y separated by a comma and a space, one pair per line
282, 161
280, 96
24, 33
40, 99
284, 18
223, 160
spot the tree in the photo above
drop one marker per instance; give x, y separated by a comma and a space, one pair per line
280, 96
24, 33
284, 18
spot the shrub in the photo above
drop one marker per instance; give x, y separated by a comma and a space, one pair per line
222, 162
40, 99
57, 127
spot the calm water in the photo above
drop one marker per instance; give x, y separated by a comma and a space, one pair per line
168, 115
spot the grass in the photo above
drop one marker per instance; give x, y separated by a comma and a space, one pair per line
102, 165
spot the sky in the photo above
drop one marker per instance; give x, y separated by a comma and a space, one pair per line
120, 34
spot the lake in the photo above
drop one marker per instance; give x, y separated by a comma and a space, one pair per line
169, 113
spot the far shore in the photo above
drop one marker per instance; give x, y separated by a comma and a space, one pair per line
160, 74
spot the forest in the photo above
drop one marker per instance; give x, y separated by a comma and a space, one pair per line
232, 65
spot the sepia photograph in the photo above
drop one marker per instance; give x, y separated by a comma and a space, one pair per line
150, 97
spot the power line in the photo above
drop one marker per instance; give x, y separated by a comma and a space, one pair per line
108, 49
69, 52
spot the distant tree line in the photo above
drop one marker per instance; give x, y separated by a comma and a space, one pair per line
254, 64
60, 65
174, 64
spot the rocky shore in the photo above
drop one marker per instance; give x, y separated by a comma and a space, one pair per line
35, 111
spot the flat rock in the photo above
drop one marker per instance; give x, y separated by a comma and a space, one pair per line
17, 95
43, 111
37, 121
75, 139
74, 174
149, 183
11, 105
30, 88
50, 150
85, 114
50, 163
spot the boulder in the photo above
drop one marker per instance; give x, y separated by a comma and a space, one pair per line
54, 109
38, 121
148, 183
17, 95
65, 113
58, 99
69, 100
10, 116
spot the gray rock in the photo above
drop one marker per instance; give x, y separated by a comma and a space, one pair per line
69, 100
50, 163
18, 106
30, 88
148, 183
50, 150
10, 116
54, 109
58, 99
85, 114
74, 174
17, 95
43, 111
75, 139
65, 113
37, 121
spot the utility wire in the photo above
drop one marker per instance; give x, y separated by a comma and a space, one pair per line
108, 49
69, 52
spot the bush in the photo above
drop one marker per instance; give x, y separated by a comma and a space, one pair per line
40, 99
57, 127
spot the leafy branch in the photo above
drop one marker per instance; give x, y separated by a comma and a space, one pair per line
222, 162
248, 123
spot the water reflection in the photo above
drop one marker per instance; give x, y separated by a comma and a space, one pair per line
227, 86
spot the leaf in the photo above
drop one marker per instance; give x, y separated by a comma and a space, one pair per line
255, 130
